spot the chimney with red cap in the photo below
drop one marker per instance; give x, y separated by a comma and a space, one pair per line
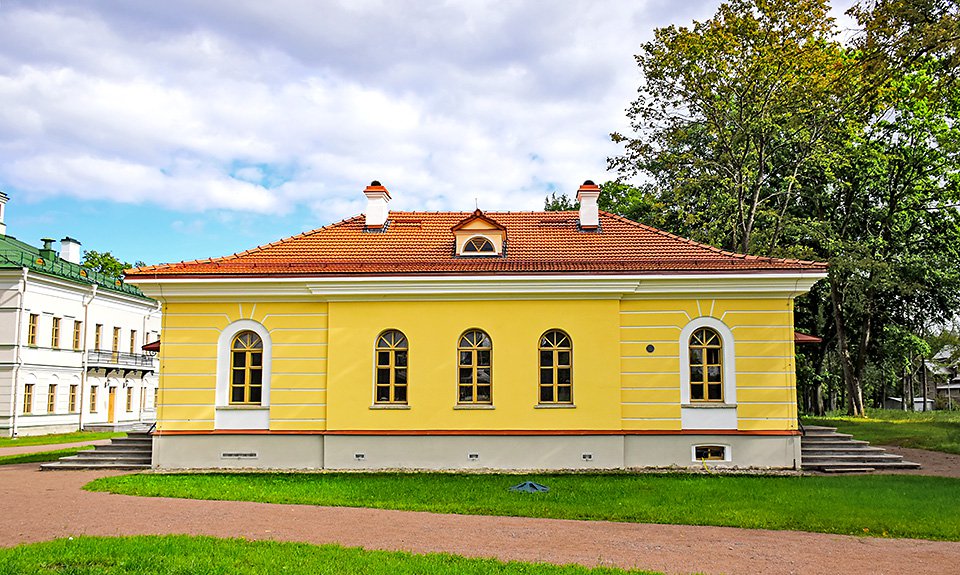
377, 199
589, 214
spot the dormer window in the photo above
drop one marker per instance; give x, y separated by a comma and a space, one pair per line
478, 235
479, 245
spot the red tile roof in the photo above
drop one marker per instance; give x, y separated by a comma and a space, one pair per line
423, 243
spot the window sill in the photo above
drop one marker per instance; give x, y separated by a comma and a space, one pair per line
709, 405
243, 407
555, 406
389, 406
469, 407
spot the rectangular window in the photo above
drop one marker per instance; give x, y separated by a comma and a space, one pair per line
72, 406
129, 399
116, 339
52, 399
710, 452
32, 330
98, 336
156, 397
28, 398
77, 330
93, 399
143, 399
55, 334
133, 341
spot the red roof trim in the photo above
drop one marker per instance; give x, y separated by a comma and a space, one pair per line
477, 215
805, 338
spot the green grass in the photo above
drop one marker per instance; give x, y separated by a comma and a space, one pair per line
182, 555
933, 430
58, 438
881, 505
40, 457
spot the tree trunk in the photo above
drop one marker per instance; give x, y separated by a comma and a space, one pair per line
850, 379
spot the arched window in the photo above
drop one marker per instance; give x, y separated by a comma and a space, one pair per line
706, 365
391, 372
475, 382
479, 245
246, 369
556, 366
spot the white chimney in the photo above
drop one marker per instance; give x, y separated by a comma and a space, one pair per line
3, 210
589, 214
70, 250
377, 199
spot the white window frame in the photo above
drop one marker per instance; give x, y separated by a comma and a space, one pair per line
729, 362
464, 252
241, 417
224, 345
727, 453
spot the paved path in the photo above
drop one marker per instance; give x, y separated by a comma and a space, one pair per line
21, 449
39, 506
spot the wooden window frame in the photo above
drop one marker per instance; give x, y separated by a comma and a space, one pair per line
55, 333
130, 399
552, 344
706, 342
98, 336
52, 398
477, 245
33, 321
249, 352
471, 342
28, 398
133, 341
93, 399
710, 453
116, 340
77, 332
72, 401
391, 359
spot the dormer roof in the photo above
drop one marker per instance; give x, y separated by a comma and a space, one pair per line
478, 217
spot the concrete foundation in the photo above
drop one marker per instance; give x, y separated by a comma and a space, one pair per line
466, 452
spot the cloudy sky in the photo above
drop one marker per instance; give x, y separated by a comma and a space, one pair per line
181, 129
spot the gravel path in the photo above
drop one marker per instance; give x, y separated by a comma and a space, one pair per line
39, 506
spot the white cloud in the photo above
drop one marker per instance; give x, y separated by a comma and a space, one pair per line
259, 107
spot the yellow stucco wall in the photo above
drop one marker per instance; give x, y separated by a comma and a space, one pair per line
617, 384
433, 330
765, 371
298, 332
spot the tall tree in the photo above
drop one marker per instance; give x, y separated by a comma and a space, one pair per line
731, 110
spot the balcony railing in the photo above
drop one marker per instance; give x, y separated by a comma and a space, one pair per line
103, 358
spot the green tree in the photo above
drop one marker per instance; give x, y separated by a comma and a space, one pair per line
106, 264
561, 203
730, 112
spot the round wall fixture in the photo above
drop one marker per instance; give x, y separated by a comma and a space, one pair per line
650, 348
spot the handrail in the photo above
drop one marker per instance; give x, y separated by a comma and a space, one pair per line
106, 357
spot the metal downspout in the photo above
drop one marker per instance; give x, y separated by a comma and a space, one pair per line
83, 349
18, 360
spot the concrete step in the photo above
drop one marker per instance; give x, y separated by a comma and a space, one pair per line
120, 452
105, 459
817, 429
849, 470
874, 458
833, 438
840, 450
827, 467
61, 465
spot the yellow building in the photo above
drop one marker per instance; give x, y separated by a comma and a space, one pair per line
508, 340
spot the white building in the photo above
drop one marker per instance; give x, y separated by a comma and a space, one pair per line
70, 342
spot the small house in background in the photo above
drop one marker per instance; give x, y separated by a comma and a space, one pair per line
457, 340
70, 342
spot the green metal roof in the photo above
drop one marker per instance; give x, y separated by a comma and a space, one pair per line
15, 254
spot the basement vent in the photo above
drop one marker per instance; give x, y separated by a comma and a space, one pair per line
473, 456
239, 455
587, 456
359, 456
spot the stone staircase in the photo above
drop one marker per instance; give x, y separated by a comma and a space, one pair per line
133, 452
823, 449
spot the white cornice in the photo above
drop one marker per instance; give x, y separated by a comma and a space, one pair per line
382, 288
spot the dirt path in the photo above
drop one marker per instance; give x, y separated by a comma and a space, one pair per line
22, 449
39, 506
933, 462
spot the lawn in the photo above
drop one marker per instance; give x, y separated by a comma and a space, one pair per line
41, 456
179, 554
58, 438
879, 505
933, 430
